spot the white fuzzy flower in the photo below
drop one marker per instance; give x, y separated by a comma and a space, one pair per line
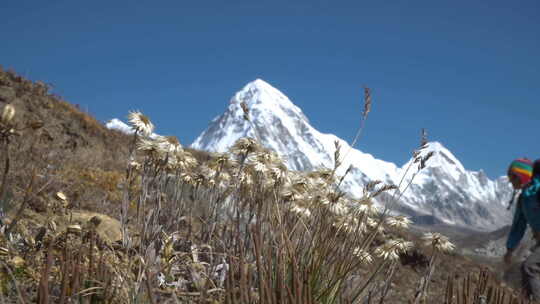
300, 210
245, 145
168, 144
399, 222
338, 209
147, 145
438, 241
260, 167
401, 245
187, 178
367, 207
363, 255
141, 123
387, 252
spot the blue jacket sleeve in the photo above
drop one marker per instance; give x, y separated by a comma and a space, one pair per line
519, 225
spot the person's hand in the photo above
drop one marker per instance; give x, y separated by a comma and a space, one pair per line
508, 257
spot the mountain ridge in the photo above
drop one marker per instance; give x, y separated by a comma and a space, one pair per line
442, 192
444, 189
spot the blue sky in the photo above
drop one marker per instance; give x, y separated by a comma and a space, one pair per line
467, 71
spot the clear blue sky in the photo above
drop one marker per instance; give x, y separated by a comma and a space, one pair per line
467, 71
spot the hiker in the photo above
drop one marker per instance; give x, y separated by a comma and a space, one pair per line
526, 176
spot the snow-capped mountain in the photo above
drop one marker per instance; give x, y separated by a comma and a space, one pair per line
443, 192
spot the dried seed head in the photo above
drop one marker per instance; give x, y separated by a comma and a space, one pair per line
363, 255
7, 114
423, 139
4, 251
367, 102
383, 189
399, 222
141, 123
387, 251
74, 229
61, 196
438, 241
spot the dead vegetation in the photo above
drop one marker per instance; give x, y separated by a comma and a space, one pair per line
95, 216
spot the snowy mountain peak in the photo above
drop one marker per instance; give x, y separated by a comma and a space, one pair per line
442, 192
442, 157
259, 94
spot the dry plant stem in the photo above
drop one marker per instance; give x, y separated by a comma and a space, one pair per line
3, 185
43, 291
20, 294
356, 138
424, 281
369, 280
149, 288
25, 201
388, 282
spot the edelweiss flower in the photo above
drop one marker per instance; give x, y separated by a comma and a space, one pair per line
399, 222
184, 160
148, 146
244, 145
363, 255
338, 209
391, 249
401, 245
187, 178
438, 241
260, 167
141, 123
387, 251
168, 144
300, 210
366, 206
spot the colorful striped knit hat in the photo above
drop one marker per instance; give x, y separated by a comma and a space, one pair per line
522, 168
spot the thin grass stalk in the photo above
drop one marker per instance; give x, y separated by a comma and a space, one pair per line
65, 274
22, 207
3, 185
388, 282
369, 280
43, 290
20, 294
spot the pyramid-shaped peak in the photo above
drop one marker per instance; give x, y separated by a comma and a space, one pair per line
259, 93
435, 146
259, 84
442, 156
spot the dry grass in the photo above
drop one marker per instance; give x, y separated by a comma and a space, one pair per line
187, 226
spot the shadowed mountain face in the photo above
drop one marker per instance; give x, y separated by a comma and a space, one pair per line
443, 192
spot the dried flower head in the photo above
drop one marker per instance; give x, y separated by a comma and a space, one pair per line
8, 113
391, 249
148, 146
301, 211
399, 222
367, 102
387, 251
61, 196
141, 123
438, 241
244, 146
366, 206
363, 255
